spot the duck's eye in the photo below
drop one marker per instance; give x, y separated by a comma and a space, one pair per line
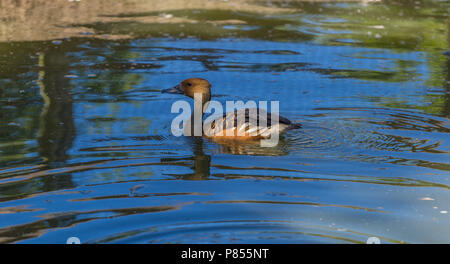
189, 84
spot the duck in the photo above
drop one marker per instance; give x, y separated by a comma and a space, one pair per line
228, 126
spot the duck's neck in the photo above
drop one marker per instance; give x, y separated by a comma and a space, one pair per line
201, 102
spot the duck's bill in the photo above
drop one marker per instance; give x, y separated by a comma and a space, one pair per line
174, 90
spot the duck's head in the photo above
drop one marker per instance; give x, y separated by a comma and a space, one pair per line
191, 86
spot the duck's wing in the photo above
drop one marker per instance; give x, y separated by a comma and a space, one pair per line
263, 117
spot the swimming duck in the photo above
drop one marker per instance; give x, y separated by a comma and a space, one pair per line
248, 128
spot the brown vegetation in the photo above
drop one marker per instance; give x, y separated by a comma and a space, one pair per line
32, 20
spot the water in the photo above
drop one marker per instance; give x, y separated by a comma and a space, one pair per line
86, 149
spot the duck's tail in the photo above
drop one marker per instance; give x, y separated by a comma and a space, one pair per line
294, 126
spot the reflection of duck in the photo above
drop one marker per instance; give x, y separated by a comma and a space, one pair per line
250, 148
228, 126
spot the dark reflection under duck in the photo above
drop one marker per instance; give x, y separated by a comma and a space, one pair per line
201, 161
252, 147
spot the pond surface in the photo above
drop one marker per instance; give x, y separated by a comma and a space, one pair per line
86, 149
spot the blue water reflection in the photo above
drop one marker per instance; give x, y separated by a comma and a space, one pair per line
86, 148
